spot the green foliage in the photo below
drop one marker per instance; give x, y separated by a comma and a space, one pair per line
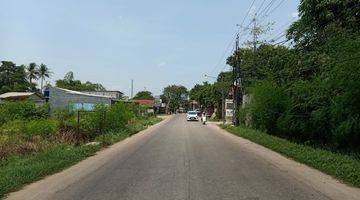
44, 128
119, 116
175, 96
21, 110
268, 102
13, 78
318, 19
308, 92
105, 119
20, 170
144, 95
28, 129
70, 83
205, 94
343, 167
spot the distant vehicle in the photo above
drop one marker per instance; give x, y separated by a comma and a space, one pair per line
192, 116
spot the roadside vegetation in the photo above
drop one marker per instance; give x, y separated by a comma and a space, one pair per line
34, 144
304, 89
343, 167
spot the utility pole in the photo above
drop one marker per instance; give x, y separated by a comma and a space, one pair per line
223, 113
237, 96
132, 89
255, 32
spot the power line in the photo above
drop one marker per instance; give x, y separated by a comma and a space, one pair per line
234, 37
267, 8
276, 7
260, 7
248, 12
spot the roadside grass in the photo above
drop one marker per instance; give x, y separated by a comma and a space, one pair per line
17, 171
343, 167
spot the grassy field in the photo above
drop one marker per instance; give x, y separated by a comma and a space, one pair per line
343, 167
16, 171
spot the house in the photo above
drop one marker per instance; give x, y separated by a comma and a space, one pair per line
59, 98
37, 98
146, 102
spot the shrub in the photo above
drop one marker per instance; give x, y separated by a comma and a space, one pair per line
44, 128
118, 116
21, 110
16, 127
267, 104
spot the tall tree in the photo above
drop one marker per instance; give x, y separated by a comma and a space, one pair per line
33, 74
12, 77
43, 72
319, 19
70, 83
175, 96
144, 95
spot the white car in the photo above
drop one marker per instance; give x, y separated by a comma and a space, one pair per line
192, 116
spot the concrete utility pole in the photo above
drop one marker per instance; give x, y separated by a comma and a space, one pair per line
237, 96
132, 89
223, 113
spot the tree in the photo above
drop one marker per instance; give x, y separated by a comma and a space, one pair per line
32, 74
44, 73
70, 83
319, 19
144, 95
175, 96
13, 77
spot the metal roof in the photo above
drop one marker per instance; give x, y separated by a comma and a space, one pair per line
81, 93
16, 94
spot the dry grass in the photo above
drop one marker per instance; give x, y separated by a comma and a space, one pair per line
16, 145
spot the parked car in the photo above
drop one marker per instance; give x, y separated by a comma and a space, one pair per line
192, 116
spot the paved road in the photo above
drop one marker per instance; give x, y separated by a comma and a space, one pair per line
186, 160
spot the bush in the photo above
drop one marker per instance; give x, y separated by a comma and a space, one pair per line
118, 116
21, 110
44, 128
16, 127
267, 104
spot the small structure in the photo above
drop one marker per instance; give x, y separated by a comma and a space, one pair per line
23, 96
229, 110
59, 98
159, 106
146, 102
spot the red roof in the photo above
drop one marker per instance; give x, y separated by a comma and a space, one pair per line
148, 103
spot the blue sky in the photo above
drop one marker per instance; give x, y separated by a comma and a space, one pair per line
156, 43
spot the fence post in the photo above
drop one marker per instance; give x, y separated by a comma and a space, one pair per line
78, 123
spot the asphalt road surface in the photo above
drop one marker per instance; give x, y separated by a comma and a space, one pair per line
185, 160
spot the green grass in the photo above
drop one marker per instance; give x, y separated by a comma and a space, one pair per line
16, 171
19, 170
343, 167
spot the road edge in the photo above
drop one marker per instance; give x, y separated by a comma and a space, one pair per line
43, 188
321, 182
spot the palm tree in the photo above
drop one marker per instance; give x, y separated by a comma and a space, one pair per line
43, 73
32, 73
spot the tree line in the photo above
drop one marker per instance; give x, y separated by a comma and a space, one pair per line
20, 78
23, 78
307, 91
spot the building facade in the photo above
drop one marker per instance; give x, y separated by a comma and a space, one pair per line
59, 98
